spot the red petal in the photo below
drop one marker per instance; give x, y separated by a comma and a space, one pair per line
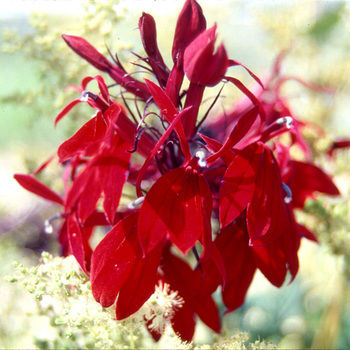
245, 126
233, 63
305, 232
66, 109
140, 284
113, 172
33, 185
274, 258
89, 138
184, 322
183, 279
191, 22
168, 109
270, 260
201, 65
238, 184
113, 260
88, 52
178, 205
233, 243
306, 179
250, 95
44, 165
85, 141
215, 146
79, 242
155, 149
147, 26
267, 215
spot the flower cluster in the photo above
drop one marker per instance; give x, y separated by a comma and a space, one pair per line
221, 188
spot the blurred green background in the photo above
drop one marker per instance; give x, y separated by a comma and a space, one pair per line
36, 67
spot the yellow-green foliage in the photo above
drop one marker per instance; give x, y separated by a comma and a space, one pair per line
58, 67
76, 320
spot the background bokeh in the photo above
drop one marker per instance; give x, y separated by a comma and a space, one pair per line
35, 69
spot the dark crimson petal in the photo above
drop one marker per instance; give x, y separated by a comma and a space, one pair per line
233, 243
238, 184
275, 258
305, 179
183, 279
148, 32
88, 52
191, 22
79, 242
305, 232
291, 243
270, 260
345, 143
114, 259
85, 50
33, 185
184, 322
64, 240
267, 214
140, 284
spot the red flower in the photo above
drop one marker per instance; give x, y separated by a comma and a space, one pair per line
182, 171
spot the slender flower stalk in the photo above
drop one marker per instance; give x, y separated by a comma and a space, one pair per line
186, 171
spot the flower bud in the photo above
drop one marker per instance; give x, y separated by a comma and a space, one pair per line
201, 65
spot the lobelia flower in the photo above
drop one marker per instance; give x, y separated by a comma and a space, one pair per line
185, 170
